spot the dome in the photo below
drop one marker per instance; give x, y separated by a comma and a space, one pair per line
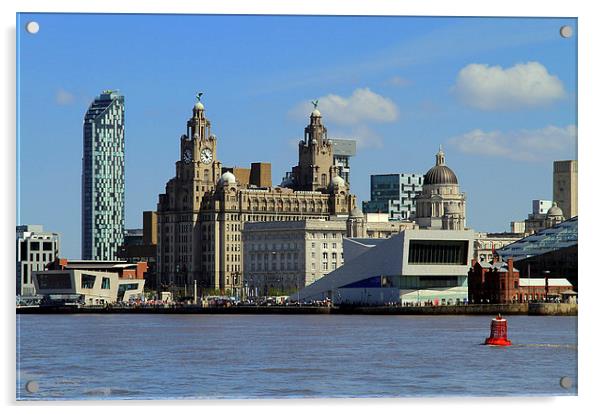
228, 178
440, 174
356, 212
314, 142
316, 113
338, 181
199, 106
554, 211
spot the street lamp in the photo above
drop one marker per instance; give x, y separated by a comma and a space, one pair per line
547, 275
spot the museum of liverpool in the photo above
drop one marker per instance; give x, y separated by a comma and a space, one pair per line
414, 266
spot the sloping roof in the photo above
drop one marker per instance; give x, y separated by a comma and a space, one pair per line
554, 238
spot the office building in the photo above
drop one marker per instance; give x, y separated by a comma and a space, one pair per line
35, 249
282, 257
541, 206
140, 245
394, 195
487, 244
103, 177
565, 186
344, 149
537, 221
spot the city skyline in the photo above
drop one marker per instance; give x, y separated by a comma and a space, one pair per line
420, 78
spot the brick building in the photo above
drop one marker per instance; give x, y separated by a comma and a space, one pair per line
500, 282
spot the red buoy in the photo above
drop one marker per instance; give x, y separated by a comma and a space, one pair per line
499, 332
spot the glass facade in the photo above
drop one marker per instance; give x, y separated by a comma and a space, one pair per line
103, 178
394, 194
438, 252
554, 238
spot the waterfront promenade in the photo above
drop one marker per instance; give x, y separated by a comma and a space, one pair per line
545, 309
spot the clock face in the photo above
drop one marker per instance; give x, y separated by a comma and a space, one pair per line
206, 156
187, 157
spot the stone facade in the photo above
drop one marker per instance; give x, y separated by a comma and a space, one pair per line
202, 213
286, 256
441, 205
486, 244
565, 187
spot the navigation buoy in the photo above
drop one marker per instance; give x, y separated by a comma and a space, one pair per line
499, 332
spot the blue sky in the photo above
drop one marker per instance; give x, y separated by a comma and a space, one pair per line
499, 94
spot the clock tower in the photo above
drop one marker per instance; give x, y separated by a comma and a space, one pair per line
197, 173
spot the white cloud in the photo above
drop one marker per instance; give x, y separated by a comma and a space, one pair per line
493, 87
64, 98
362, 106
547, 143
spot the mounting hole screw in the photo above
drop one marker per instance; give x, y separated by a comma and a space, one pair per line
566, 382
32, 27
32, 386
566, 31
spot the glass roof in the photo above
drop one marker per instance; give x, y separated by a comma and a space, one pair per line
547, 240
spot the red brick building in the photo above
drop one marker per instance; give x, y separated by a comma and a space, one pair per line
499, 282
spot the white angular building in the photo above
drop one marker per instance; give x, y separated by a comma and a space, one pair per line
412, 266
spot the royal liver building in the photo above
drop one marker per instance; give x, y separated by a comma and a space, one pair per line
204, 208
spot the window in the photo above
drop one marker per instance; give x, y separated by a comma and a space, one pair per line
333, 265
88, 281
106, 283
451, 252
325, 245
35, 245
325, 256
325, 266
47, 246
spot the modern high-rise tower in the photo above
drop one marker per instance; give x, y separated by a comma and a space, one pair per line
103, 177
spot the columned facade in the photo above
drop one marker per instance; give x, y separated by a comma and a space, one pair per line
441, 205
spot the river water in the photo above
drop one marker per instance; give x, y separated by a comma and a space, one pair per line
290, 356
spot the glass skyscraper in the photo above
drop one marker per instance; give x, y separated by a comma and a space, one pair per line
394, 194
103, 177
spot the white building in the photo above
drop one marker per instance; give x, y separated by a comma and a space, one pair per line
287, 255
412, 266
35, 249
87, 286
541, 206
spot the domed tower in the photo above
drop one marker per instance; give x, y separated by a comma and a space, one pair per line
554, 216
315, 169
356, 223
441, 205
